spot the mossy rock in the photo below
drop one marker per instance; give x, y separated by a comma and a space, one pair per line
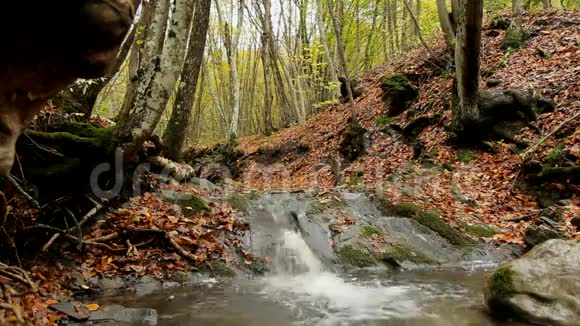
189, 203
401, 253
398, 93
433, 220
479, 230
406, 209
357, 257
353, 143
500, 289
317, 207
514, 38
370, 230
238, 202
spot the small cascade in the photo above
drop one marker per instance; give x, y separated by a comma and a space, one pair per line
294, 256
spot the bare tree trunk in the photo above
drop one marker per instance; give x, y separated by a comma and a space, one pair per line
341, 55
174, 135
446, 26
467, 60
417, 28
159, 83
324, 40
154, 16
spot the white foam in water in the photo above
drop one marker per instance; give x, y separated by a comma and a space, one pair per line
330, 296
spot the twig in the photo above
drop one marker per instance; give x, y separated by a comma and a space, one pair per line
42, 148
524, 217
552, 133
180, 249
18, 275
418, 29
15, 310
98, 207
23, 192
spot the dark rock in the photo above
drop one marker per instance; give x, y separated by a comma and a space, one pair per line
398, 94
575, 221
493, 82
537, 234
353, 143
202, 184
108, 284
553, 213
70, 309
492, 33
189, 203
215, 172
543, 53
541, 287
547, 221
147, 285
116, 314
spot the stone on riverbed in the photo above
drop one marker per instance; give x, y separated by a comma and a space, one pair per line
541, 287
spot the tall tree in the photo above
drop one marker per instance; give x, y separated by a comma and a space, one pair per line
445, 22
159, 81
336, 21
174, 135
468, 61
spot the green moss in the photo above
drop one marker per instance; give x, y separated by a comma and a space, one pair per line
355, 257
433, 220
479, 230
369, 230
354, 178
399, 93
189, 203
220, 268
555, 156
401, 253
464, 156
317, 207
501, 283
238, 202
406, 210
514, 37
383, 120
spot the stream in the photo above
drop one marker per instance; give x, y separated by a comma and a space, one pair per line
307, 286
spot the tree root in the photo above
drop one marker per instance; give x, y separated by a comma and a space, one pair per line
15, 275
15, 310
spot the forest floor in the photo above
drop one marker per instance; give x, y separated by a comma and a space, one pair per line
151, 236
471, 186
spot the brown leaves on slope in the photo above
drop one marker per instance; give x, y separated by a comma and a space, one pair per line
485, 186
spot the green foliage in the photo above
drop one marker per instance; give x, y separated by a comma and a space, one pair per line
355, 176
555, 155
384, 120
464, 156
406, 209
369, 230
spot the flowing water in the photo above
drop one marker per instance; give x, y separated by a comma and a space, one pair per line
304, 289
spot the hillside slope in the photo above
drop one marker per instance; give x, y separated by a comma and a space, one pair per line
469, 186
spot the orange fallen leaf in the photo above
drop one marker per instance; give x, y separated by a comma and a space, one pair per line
92, 306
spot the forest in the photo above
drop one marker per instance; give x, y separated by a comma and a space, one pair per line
315, 162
